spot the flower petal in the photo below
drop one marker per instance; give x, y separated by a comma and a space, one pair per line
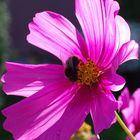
72, 118
122, 32
112, 80
25, 79
124, 98
32, 116
127, 52
128, 116
102, 109
136, 111
137, 136
117, 82
131, 114
55, 34
97, 21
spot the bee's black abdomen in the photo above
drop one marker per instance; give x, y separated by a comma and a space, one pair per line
71, 68
72, 61
71, 74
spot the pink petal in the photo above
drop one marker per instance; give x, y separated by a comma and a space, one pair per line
97, 21
72, 118
117, 82
127, 52
25, 79
86, 11
137, 136
109, 46
55, 34
124, 98
131, 114
123, 31
102, 109
128, 115
136, 111
34, 115
111, 79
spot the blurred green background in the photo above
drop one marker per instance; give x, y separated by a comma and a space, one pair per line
14, 18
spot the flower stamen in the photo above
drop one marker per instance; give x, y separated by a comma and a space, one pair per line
88, 73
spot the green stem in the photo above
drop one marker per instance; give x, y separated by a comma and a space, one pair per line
124, 127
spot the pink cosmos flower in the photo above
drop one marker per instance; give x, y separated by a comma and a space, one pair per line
59, 97
131, 111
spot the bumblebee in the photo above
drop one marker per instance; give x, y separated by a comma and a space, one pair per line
72, 68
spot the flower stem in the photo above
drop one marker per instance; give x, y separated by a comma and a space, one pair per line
124, 127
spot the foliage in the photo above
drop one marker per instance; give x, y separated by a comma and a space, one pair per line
4, 18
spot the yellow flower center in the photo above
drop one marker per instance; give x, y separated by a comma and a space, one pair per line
87, 73
84, 133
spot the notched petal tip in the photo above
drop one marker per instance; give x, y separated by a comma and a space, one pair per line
2, 78
6, 64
